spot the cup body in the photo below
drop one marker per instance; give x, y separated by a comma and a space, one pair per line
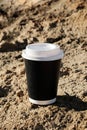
42, 80
42, 75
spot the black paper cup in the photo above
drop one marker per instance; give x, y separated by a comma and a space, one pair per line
42, 63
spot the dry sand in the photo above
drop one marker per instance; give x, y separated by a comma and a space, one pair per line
62, 22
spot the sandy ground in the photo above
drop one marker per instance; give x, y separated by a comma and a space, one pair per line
62, 22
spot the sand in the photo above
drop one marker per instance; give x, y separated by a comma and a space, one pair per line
62, 22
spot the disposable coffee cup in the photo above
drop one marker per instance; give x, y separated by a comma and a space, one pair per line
42, 63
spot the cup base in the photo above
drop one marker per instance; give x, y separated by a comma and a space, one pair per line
44, 102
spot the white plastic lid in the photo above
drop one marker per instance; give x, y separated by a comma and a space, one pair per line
42, 52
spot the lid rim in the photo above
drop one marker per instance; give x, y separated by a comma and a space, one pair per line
42, 52
51, 58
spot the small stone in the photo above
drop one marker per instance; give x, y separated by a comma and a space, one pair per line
35, 39
84, 94
20, 93
77, 70
34, 106
53, 25
85, 78
20, 70
8, 71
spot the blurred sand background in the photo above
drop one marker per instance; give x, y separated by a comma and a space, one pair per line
62, 22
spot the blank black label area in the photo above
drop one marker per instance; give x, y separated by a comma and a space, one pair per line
42, 79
